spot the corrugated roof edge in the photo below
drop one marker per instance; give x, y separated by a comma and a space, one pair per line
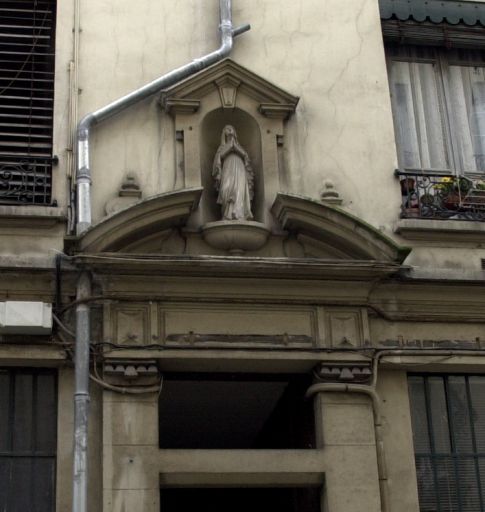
436, 11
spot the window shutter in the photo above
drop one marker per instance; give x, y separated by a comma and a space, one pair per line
448, 423
28, 420
27, 33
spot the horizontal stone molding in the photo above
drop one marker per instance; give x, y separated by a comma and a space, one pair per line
449, 231
31, 217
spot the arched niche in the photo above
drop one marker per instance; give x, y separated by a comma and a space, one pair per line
227, 93
249, 136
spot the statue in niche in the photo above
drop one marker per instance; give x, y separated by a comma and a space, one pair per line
234, 177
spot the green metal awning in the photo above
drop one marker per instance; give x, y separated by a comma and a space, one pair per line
435, 11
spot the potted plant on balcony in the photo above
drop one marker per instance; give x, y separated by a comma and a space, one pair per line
451, 189
480, 185
410, 205
407, 186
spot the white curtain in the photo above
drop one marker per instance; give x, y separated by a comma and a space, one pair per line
439, 109
418, 116
467, 103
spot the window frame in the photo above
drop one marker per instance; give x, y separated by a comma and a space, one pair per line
441, 64
11, 453
27, 141
455, 453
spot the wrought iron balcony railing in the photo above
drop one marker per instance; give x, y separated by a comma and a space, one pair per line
441, 196
26, 180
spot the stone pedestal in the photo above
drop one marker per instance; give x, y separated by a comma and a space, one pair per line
236, 237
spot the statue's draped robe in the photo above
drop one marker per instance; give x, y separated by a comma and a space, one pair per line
234, 184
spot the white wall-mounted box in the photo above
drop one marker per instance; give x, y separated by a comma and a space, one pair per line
22, 317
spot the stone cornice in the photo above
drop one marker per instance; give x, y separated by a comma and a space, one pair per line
380, 288
235, 266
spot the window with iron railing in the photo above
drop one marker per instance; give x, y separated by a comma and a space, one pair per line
27, 36
438, 102
448, 420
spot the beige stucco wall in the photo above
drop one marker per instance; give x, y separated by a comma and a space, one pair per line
328, 54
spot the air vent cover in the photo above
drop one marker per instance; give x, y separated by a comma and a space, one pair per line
21, 317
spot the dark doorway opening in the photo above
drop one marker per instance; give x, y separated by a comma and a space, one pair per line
241, 499
235, 411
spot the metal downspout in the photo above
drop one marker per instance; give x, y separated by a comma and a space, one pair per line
83, 193
81, 395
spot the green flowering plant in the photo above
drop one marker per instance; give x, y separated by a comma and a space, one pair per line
449, 185
445, 185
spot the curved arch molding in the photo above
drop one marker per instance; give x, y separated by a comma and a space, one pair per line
346, 234
141, 220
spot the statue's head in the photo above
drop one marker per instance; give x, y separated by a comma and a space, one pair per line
228, 133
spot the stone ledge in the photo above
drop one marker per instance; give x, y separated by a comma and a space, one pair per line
456, 231
30, 216
27, 354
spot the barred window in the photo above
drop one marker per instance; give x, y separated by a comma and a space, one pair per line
448, 418
28, 437
27, 30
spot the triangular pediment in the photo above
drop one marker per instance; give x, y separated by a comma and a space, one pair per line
228, 79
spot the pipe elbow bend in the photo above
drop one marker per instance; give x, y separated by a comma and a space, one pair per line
226, 47
84, 125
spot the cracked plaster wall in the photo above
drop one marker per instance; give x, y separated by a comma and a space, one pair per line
327, 52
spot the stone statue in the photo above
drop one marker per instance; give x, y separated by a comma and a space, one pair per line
234, 177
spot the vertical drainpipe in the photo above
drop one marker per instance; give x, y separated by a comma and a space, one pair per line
83, 192
81, 394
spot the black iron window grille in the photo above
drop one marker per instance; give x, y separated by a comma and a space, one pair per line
28, 439
441, 196
27, 58
448, 418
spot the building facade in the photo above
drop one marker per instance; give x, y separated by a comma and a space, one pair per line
269, 263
